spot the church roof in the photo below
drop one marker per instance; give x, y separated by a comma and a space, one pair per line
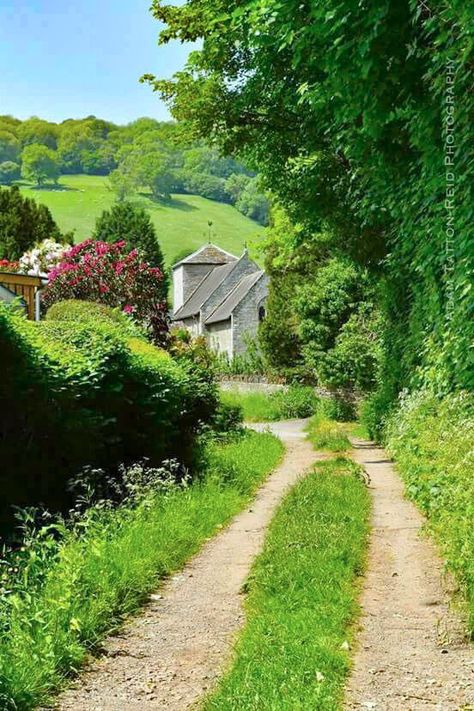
238, 293
203, 291
208, 254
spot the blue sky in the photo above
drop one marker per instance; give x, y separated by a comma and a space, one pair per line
70, 58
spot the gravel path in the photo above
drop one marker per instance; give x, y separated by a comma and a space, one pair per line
411, 653
168, 656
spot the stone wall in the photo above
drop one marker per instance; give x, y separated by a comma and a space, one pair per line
241, 386
245, 317
220, 337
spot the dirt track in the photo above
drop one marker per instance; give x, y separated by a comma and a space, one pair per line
411, 653
168, 656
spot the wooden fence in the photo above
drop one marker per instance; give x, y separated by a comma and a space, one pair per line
25, 286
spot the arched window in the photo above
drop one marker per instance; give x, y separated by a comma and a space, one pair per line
261, 313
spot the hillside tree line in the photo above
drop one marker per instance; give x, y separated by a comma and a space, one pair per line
143, 155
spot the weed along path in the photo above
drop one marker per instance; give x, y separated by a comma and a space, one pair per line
167, 657
411, 653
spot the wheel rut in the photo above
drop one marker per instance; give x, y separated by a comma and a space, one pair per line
411, 652
168, 656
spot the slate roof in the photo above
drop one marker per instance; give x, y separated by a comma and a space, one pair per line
203, 291
208, 254
225, 309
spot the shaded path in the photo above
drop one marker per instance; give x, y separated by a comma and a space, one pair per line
411, 653
167, 657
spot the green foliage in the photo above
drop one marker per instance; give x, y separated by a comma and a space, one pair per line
228, 417
76, 583
9, 145
251, 362
128, 222
23, 223
325, 434
431, 440
39, 163
9, 171
75, 311
354, 361
209, 186
354, 137
279, 331
290, 403
326, 303
253, 203
314, 551
82, 392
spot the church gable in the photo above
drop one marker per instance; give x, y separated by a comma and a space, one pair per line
219, 300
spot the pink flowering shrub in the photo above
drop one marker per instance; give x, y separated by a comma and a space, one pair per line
108, 274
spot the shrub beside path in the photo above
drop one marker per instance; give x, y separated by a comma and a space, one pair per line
411, 651
169, 656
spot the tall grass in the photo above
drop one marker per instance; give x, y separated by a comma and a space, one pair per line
105, 566
302, 601
325, 434
295, 402
432, 441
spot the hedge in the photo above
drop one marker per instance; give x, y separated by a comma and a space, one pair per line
83, 392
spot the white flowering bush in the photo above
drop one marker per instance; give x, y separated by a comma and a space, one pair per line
43, 258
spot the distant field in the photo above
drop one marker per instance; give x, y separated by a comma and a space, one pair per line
180, 224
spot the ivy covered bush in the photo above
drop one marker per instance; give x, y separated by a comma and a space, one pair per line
84, 392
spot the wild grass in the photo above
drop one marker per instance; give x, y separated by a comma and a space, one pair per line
106, 565
302, 601
181, 223
432, 442
295, 402
326, 434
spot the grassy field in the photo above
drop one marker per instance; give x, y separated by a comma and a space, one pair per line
181, 223
293, 652
64, 602
295, 402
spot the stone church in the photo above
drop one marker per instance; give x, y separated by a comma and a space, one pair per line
220, 296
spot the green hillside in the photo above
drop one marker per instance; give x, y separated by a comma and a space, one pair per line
181, 223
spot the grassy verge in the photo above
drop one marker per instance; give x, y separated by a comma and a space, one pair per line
302, 599
105, 567
325, 434
432, 442
295, 402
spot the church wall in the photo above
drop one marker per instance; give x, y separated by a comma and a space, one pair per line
243, 267
220, 337
246, 315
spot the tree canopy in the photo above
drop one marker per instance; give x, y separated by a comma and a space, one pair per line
347, 109
23, 223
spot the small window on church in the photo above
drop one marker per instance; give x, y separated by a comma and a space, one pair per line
261, 313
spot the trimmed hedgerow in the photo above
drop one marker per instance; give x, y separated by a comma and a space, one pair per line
77, 310
77, 393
